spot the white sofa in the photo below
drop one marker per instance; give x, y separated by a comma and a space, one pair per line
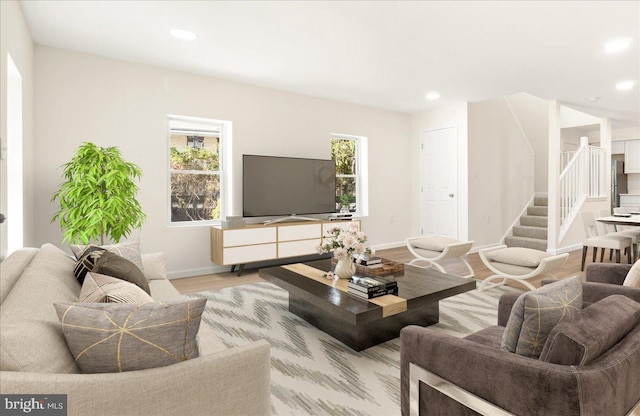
35, 359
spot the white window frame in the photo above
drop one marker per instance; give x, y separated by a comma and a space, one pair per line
207, 127
362, 171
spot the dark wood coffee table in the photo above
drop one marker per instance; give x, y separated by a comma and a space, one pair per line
357, 322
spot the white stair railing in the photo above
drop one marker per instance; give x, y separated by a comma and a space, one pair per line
565, 158
582, 178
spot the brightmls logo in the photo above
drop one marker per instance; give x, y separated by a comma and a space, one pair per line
33, 404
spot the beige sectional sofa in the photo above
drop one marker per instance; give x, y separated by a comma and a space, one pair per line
35, 359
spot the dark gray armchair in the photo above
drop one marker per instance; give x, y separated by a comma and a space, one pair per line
445, 375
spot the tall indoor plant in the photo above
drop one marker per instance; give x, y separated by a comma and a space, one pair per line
97, 200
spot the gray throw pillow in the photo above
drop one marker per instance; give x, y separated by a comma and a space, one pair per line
130, 250
98, 288
116, 266
537, 312
117, 337
584, 337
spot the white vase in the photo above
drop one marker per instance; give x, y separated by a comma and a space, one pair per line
345, 269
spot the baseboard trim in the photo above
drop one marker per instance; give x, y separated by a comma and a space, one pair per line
566, 249
179, 274
389, 245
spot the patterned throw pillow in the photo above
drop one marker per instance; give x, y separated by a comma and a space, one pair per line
87, 262
536, 313
98, 288
130, 250
116, 337
116, 266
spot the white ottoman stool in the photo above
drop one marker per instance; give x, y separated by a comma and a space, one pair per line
518, 263
432, 249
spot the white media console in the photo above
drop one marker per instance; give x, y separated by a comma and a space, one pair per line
259, 242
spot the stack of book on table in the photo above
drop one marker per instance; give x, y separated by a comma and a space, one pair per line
368, 261
372, 287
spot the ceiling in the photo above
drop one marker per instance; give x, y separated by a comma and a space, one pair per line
384, 54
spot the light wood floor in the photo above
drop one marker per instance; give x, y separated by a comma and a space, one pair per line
222, 280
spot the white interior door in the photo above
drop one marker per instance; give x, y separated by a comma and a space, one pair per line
439, 182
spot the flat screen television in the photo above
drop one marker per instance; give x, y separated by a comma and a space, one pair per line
279, 186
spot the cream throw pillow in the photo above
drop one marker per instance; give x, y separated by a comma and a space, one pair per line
155, 266
98, 288
518, 256
433, 243
633, 277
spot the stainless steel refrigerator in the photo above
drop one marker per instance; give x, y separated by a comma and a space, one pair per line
618, 182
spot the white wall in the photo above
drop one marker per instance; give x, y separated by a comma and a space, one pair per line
446, 116
16, 41
532, 114
113, 103
501, 171
575, 118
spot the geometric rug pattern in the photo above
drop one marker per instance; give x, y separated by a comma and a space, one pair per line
314, 374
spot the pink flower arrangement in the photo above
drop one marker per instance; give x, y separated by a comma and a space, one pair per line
345, 242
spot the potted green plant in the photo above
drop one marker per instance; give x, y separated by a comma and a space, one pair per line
345, 202
97, 200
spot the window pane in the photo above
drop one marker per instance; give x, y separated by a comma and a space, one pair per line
192, 152
346, 194
343, 151
195, 197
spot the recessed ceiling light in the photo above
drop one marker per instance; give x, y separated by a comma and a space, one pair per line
625, 85
433, 95
617, 45
183, 34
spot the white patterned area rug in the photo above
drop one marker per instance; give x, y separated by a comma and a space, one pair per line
314, 374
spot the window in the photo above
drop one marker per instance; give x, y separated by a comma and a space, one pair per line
198, 166
350, 154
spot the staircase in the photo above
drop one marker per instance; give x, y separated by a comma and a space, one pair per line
532, 231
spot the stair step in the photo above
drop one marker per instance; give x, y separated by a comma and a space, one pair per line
533, 220
533, 243
540, 201
531, 232
538, 211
